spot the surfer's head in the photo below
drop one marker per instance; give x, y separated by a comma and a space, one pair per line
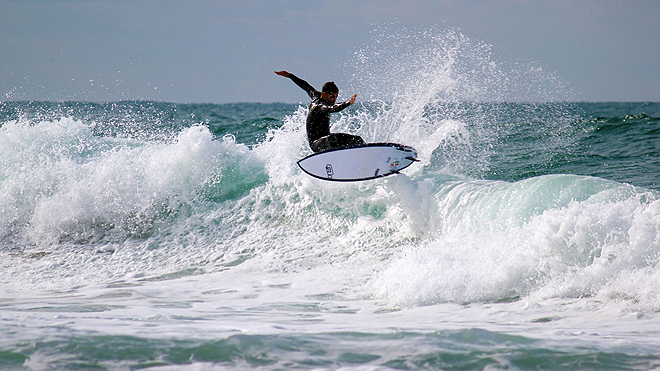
330, 87
330, 92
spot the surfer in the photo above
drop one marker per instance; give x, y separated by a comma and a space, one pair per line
318, 118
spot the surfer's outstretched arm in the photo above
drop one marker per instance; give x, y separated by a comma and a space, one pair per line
304, 85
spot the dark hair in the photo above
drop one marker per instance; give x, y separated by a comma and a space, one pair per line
330, 87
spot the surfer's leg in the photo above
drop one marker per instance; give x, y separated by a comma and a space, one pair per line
348, 139
335, 140
322, 144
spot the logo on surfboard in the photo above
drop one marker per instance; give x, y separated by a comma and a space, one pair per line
329, 171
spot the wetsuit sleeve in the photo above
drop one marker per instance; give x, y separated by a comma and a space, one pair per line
338, 107
313, 93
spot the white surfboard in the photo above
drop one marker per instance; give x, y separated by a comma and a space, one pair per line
360, 162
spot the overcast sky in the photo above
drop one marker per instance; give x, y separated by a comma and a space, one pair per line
205, 51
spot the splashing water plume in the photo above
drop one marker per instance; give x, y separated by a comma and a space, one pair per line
448, 95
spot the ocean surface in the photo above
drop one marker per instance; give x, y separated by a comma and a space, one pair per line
162, 236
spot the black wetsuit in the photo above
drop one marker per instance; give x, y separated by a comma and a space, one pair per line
318, 120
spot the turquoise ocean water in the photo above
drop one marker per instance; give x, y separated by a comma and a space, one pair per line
162, 236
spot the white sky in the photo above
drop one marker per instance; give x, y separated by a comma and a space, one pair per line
205, 51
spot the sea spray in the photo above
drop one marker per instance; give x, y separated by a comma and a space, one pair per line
435, 88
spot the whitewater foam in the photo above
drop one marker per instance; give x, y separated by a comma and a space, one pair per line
551, 236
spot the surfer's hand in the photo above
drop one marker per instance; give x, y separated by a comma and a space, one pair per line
282, 73
353, 99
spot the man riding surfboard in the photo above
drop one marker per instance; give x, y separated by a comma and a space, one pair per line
318, 117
